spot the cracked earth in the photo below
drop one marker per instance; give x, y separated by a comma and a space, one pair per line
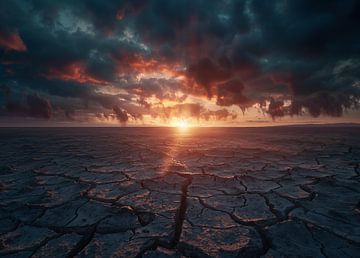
160, 192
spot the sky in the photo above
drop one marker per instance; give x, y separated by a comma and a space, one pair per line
165, 62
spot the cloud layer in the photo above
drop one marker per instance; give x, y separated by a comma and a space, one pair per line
123, 60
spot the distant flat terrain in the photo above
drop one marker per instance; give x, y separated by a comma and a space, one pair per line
167, 192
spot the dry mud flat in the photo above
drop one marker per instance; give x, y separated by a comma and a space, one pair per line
125, 192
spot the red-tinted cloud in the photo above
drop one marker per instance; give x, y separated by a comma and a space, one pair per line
72, 72
11, 41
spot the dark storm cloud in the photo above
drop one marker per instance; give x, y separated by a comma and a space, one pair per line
206, 72
31, 106
290, 57
121, 114
231, 92
276, 108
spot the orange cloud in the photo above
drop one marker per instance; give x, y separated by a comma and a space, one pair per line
72, 72
12, 41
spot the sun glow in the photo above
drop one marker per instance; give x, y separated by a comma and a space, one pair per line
182, 124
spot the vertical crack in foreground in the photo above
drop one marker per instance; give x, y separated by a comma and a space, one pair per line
180, 214
179, 220
83, 242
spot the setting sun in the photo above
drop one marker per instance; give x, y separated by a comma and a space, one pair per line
182, 124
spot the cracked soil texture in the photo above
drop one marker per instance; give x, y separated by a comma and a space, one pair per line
163, 192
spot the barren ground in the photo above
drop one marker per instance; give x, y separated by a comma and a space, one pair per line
162, 192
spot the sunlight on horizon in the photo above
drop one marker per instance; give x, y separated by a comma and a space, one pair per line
183, 124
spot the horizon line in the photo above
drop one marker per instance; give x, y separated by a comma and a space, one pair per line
190, 127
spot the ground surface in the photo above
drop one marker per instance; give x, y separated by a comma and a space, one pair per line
125, 192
